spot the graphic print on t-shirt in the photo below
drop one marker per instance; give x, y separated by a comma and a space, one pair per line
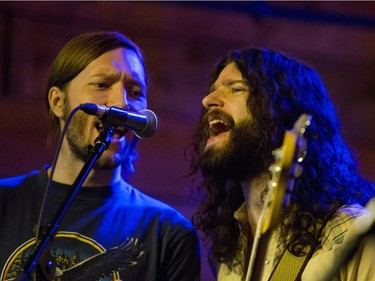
78, 257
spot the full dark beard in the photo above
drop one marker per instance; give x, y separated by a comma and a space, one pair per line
247, 154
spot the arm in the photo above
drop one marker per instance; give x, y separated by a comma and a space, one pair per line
361, 266
354, 259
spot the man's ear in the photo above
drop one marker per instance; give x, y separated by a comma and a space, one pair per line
57, 102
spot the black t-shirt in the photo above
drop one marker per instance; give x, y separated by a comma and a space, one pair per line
108, 233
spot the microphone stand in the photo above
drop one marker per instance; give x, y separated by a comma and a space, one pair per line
40, 261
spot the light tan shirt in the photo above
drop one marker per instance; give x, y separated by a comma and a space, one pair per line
360, 268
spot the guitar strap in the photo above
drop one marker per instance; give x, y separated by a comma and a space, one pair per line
291, 267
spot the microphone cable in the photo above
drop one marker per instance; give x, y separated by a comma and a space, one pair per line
53, 167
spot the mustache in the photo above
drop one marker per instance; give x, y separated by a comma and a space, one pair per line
217, 114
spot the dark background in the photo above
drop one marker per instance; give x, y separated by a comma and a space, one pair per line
181, 41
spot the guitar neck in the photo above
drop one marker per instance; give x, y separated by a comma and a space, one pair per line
258, 252
283, 172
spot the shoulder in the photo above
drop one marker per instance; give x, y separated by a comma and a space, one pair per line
156, 208
12, 182
22, 191
336, 228
352, 249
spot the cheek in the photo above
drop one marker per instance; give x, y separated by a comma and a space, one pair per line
241, 112
71, 103
138, 105
245, 110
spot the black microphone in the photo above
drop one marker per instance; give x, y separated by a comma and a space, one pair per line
143, 123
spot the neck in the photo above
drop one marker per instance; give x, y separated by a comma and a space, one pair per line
94, 178
68, 168
253, 192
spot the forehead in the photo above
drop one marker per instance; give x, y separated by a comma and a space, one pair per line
120, 60
228, 76
230, 72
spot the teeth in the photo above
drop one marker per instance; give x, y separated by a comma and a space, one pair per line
99, 126
215, 121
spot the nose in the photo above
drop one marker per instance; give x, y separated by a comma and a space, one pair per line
119, 98
213, 99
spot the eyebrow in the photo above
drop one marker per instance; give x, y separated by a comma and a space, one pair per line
231, 82
112, 76
132, 78
228, 83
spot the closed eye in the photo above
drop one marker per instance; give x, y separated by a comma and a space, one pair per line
102, 85
236, 90
236, 86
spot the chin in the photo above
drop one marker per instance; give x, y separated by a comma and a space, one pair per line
108, 161
216, 144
